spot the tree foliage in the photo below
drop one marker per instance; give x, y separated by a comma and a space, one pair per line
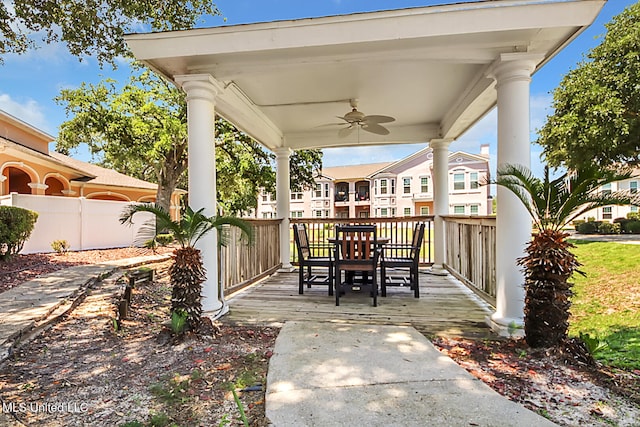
597, 105
141, 130
92, 27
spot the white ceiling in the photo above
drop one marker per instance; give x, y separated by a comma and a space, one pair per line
424, 66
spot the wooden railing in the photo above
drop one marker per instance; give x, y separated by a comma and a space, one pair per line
471, 252
242, 263
399, 230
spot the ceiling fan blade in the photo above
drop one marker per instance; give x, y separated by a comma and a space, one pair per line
378, 119
330, 124
375, 128
345, 131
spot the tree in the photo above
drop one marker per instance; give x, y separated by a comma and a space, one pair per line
92, 27
141, 130
187, 272
548, 263
597, 105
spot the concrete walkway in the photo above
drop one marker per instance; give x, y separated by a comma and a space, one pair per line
321, 374
27, 309
324, 374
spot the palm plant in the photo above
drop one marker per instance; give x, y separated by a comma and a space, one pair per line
187, 272
549, 263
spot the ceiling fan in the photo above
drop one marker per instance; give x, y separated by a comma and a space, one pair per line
355, 119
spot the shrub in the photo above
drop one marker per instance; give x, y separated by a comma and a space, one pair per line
164, 239
16, 225
577, 223
608, 228
634, 215
632, 227
60, 246
590, 227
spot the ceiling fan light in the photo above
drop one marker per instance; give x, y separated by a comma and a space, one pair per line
354, 116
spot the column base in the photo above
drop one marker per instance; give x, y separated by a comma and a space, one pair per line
287, 269
437, 270
506, 327
216, 314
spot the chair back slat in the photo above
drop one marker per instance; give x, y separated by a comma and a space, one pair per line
302, 241
418, 236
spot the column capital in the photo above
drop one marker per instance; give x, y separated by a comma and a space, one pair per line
37, 186
439, 144
510, 66
199, 86
282, 151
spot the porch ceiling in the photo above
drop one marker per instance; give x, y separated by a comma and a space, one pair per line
424, 66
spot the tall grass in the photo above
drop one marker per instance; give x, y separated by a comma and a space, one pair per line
606, 303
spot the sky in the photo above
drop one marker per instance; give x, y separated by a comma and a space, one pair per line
29, 82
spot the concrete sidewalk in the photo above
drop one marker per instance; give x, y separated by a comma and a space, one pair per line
325, 374
27, 309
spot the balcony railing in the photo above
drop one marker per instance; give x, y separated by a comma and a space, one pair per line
471, 252
399, 230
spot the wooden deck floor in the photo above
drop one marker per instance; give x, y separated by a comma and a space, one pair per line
445, 307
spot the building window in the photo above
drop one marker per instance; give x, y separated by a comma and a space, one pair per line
407, 212
296, 214
634, 208
318, 214
424, 210
318, 191
458, 181
424, 185
607, 212
383, 186
296, 196
606, 189
406, 185
384, 212
473, 209
265, 197
458, 209
633, 187
265, 215
473, 181
393, 186
393, 212
326, 191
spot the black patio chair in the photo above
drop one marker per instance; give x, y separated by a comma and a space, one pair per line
356, 250
402, 260
307, 260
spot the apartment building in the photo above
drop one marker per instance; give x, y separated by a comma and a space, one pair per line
609, 213
391, 189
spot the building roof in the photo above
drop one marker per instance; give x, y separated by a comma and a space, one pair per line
353, 171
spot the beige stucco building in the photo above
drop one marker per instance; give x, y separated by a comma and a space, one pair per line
28, 167
390, 189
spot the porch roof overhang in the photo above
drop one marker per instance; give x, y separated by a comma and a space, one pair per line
427, 67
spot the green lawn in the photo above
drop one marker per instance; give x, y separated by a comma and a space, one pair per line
606, 304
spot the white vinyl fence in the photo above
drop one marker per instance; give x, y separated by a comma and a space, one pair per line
84, 223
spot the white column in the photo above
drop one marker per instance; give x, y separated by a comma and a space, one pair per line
283, 204
440, 149
201, 90
512, 73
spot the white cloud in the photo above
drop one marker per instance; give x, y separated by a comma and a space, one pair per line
29, 111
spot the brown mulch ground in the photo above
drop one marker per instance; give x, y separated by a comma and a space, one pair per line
139, 375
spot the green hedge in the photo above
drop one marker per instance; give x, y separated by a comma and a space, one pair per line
619, 225
16, 225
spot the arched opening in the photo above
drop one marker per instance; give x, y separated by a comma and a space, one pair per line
54, 188
17, 180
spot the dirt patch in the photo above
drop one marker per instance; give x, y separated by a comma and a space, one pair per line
565, 391
83, 372
22, 268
